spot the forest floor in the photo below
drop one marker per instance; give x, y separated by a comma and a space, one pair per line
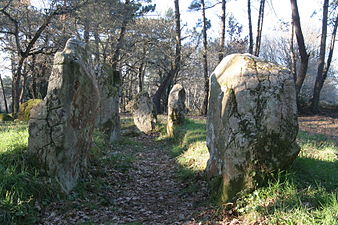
140, 185
150, 179
326, 124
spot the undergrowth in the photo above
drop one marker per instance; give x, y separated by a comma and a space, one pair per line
305, 194
23, 189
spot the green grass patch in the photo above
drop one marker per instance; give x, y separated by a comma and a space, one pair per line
305, 194
21, 183
189, 149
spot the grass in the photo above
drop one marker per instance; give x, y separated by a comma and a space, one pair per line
305, 194
24, 189
22, 184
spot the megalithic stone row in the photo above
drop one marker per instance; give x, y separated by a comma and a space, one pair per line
251, 124
61, 127
176, 108
144, 112
109, 86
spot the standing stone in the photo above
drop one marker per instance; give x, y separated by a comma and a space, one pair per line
176, 108
109, 86
61, 127
251, 125
144, 113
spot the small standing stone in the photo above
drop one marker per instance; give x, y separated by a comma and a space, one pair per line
109, 86
252, 123
176, 108
61, 127
144, 113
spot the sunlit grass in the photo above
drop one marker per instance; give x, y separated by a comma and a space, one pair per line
21, 184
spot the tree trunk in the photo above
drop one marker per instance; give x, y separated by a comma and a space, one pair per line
24, 82
205, 62
177, 64
304, 57
293, 66
16, 87
222, 39
320, 76
116, 55
4, 94
259, 27
140, 77
97, 46
250, 28
86, 31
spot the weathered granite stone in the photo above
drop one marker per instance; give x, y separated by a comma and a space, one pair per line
176, 108
251, 125
109, 86
61, 127
144, 113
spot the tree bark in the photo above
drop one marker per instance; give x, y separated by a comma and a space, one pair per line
259, 27
304, 57
222, 39
97, 46
140, 77
4, 94
250, 28
177, 62
205, 62
293, 66
24, 82
320, 75
16, 87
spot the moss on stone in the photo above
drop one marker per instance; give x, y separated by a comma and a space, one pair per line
5, 117
25, 109
222, 191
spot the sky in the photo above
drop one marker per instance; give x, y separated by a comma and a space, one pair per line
275, 11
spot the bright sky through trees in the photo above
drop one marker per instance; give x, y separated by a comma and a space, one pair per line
277, 11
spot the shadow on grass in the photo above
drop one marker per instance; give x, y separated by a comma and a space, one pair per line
309, 171
21, 185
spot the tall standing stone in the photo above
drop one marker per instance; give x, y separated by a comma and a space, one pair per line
251, 125
176, 108
61, 127
144, 113
109, 86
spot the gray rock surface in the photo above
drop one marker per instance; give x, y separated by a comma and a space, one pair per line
109, 86
144, 113
252, 123
176, 108
61, 127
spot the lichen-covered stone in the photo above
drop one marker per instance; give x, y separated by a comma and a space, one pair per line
109, 86
4, 117
144, 113
176, 108
26, 107
61, 127
252, 123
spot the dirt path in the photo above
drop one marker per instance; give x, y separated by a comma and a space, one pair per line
149, 192
319, 124
154, 195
